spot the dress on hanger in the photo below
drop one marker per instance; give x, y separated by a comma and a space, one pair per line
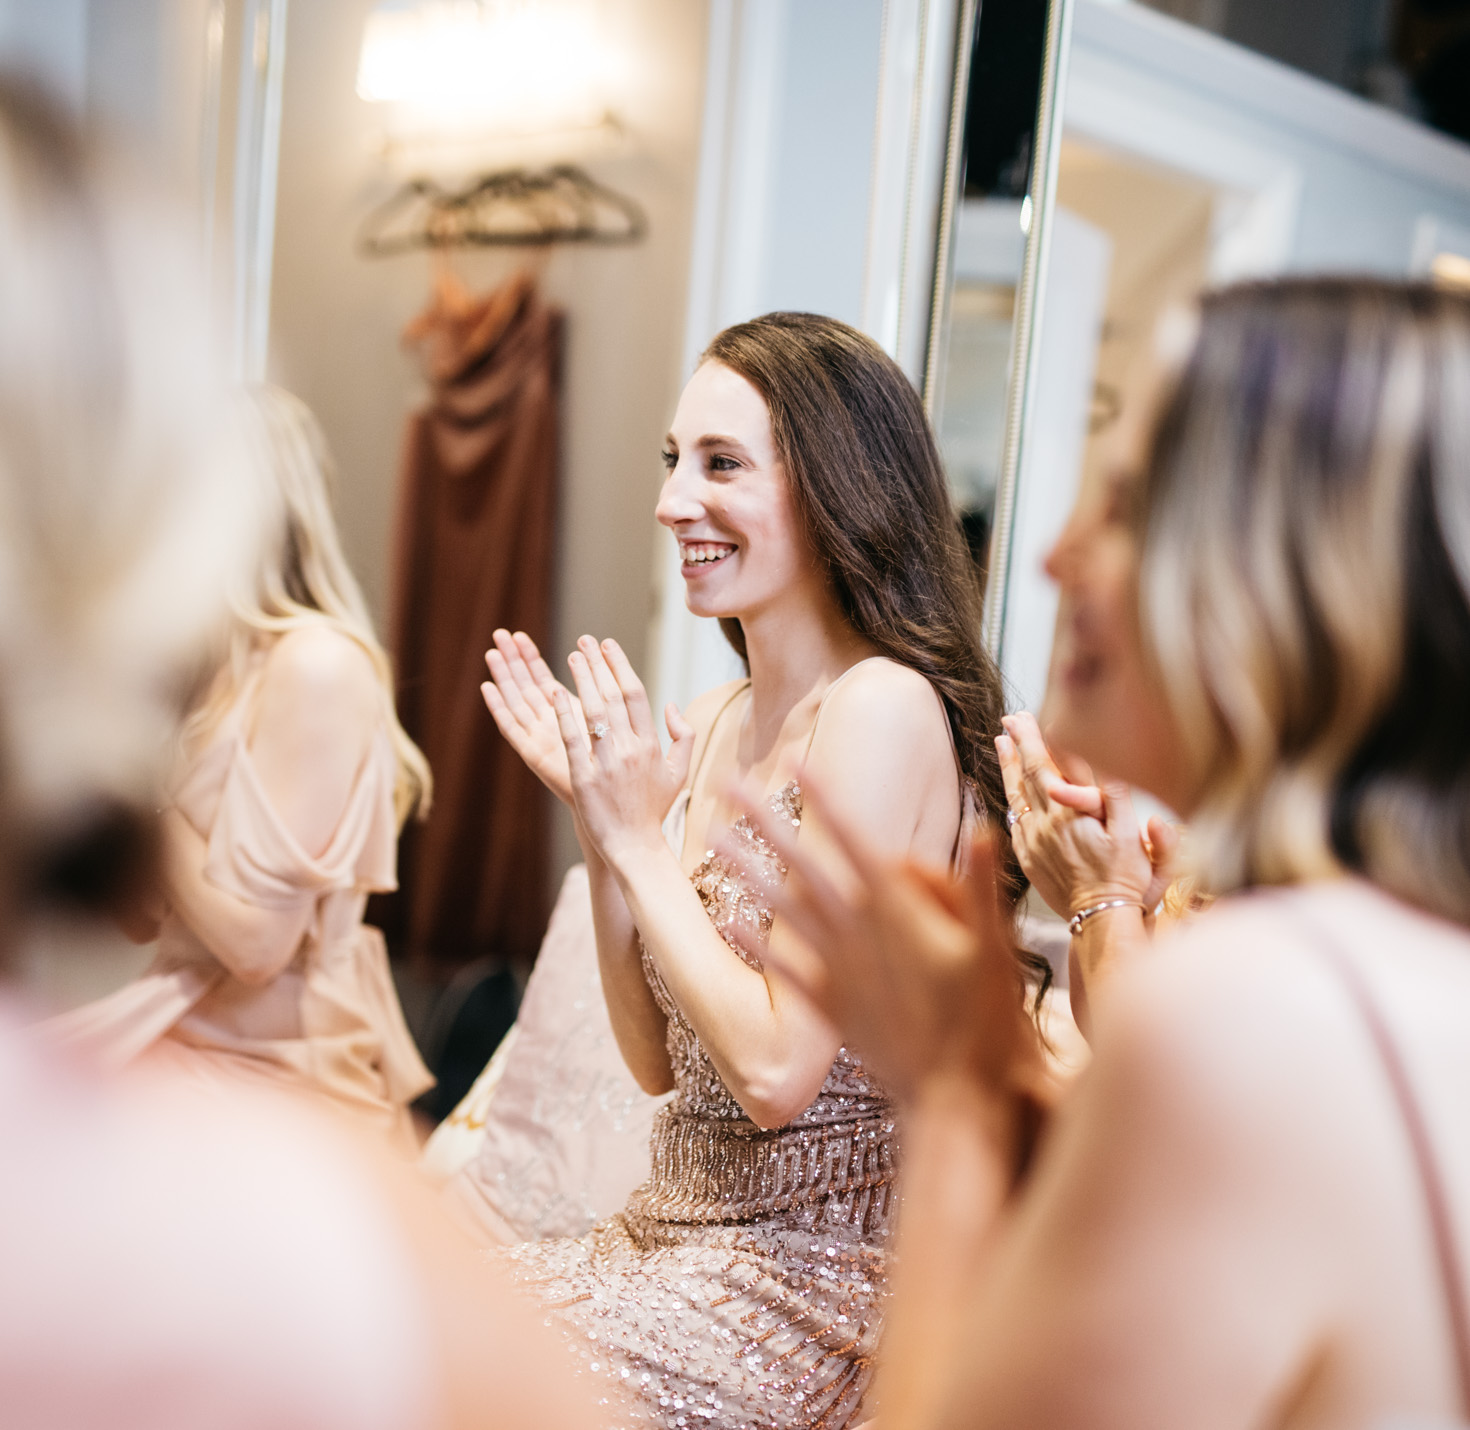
475, 550
743, 1284
330, 1021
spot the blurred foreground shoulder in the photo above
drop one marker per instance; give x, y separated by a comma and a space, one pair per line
1215, 1022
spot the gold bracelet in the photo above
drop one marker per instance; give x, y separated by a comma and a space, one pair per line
1074, 925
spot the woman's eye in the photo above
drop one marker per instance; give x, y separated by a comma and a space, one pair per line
670, 459
723, 464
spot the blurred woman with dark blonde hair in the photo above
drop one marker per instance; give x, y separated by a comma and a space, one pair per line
1252, 1208
297, 776
178, 1252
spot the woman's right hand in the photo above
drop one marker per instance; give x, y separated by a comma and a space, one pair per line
520, 695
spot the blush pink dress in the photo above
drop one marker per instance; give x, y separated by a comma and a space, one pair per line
742, 1286
330, 1021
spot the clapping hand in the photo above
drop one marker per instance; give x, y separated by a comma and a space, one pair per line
520, 694
1079, 843
622, 783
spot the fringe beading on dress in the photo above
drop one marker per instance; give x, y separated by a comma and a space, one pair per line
743, 1285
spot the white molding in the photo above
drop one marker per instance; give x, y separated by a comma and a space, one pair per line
909, 174
1187, 56
1255, 224
888, 197
257, 162
915, 82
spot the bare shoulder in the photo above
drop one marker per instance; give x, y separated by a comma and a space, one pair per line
882, 755
704, 708
888, 710
1233, 1023
317, 677
317, 661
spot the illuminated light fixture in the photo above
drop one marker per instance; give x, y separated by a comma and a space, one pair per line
489, 66
1450, 270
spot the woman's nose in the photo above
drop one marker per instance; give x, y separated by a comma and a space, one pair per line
679, 499
1061, 560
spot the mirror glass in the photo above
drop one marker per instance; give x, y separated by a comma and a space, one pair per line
1172, 159
1000, 73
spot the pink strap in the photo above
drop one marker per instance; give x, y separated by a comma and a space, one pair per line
1441, 1222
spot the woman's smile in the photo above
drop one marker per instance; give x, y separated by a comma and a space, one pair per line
699, 558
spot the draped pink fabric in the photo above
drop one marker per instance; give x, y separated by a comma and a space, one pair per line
331, 1020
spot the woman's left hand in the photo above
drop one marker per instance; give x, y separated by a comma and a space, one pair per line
623, 783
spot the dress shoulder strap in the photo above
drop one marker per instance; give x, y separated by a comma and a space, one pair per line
969, 808
1431, 1181
827, 695
709, 736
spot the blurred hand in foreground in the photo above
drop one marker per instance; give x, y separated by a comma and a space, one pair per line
917, 969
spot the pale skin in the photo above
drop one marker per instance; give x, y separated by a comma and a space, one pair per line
1223, 1228
1081, 846
316, 710
726, 496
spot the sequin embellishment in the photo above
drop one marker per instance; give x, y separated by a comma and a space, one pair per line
742, 1285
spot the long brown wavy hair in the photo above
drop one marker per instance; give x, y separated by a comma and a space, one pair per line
870, 491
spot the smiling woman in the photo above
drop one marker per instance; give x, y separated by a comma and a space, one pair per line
744, 1281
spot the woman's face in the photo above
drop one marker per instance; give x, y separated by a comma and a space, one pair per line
1103, 700
727, 501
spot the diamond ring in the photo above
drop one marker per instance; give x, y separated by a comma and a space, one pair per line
600, 730
1013, 819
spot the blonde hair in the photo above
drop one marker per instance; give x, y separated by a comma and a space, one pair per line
126, 507
1305, 563
303, 577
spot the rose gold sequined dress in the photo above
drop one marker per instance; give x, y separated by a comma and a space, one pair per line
743, 1284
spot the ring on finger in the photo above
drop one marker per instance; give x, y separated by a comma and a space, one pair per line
600, 730
1013, 817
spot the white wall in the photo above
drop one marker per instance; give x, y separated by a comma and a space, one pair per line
48, 39
336, 317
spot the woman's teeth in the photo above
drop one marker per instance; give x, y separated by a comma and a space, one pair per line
703, 553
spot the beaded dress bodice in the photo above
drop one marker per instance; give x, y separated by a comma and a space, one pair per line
710, 1161
743, 1284
732, 903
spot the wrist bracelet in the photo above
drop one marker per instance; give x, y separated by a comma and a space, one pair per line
1074, 925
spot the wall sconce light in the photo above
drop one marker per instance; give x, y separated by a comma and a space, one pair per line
456, 69
1450, 270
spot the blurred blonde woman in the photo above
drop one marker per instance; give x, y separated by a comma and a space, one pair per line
176, 1253
296, 777
1253, 1208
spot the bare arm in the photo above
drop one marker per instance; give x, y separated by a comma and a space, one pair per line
317, 712
770, 1047
1172, 1256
